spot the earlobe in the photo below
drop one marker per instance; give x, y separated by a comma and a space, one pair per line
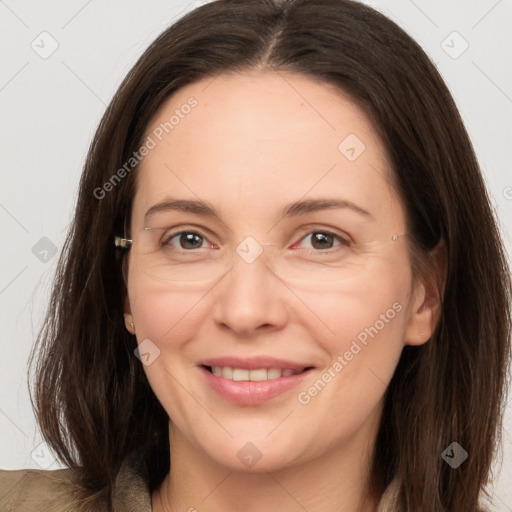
128, 322
426, 306
128, 318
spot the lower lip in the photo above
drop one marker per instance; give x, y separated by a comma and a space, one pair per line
248, 392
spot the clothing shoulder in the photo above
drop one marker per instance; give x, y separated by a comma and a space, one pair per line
42, 491
390, 499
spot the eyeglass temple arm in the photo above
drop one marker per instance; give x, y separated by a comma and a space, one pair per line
122, 241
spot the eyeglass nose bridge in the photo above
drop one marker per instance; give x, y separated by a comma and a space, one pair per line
254, 253
249, 249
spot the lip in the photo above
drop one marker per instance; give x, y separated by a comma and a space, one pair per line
253, 392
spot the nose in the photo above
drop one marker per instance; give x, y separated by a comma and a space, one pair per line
250, 298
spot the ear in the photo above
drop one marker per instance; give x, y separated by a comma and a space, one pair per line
128, 318
427, 300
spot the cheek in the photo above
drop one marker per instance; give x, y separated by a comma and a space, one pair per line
360, 327
362, 339
161, 312
356, 309
168, 317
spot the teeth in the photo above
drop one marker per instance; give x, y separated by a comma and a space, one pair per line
273, 373
239, 374
258, 374
226, 372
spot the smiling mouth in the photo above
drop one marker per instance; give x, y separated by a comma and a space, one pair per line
255, 375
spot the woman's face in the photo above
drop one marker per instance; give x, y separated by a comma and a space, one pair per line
332, 294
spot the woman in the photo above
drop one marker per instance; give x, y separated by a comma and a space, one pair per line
284, 288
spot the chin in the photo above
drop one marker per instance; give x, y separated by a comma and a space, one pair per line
251, 454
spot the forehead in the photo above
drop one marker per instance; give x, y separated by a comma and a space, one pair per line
238, 136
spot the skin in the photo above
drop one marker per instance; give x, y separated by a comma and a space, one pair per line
250, 135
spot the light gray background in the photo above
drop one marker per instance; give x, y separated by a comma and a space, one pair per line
50, 108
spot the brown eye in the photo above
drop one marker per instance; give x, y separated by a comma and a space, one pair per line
323, 240
186, 240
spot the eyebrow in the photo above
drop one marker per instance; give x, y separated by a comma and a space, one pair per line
294, 209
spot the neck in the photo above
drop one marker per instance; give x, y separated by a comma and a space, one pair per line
335, 481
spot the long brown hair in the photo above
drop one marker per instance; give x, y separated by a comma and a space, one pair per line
91, 396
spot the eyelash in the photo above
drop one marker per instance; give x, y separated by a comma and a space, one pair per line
343, 242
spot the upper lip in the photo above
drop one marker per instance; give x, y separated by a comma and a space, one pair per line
254, 363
